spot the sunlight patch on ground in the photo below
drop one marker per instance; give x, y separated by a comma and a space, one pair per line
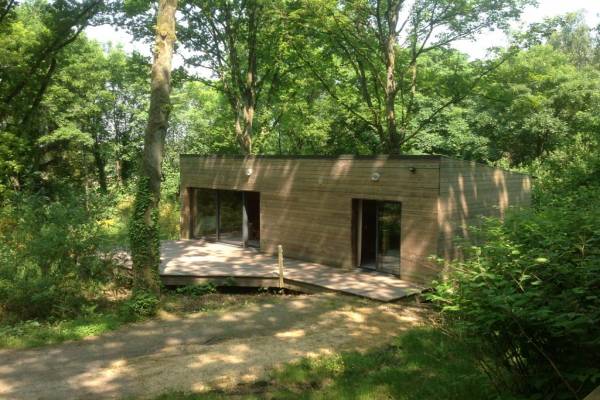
211, 351
291, 334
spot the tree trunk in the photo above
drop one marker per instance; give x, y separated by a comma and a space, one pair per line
390, 78
100, 164
243, 130
143, 231
390, 100
245, 103
119, 171
248, 126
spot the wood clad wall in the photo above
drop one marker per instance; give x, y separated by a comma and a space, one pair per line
306, 203
470, 190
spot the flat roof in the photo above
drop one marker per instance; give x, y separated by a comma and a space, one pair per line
431, 157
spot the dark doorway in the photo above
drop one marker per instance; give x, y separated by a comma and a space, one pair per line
252, 208
228, 216
376, 234
368, 252
388, 236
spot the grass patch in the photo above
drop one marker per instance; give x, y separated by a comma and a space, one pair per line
34, 334
180, 304
422, 363
111, 316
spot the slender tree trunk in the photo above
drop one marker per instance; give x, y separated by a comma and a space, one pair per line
243, 129
251, 78
390, 78
244, 98
119, 171
100, 164
246, 136
390, 101
143, 231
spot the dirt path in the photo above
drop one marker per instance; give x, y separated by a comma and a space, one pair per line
200, 351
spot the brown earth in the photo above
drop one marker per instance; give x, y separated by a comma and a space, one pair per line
201, 351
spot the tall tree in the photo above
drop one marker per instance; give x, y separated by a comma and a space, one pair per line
34, 38
568, 33
64, 21
144, 230
234, 40
383, 41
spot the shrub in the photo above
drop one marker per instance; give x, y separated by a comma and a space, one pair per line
531, 293
197, 290
115, 228
49, 264
140, 305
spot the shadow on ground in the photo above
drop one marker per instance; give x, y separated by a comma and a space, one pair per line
201, 351
421, 363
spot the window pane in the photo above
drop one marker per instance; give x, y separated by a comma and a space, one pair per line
252, 200
230, 227
389, 236
205, 221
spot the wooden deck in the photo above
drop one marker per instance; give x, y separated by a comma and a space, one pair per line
187, 261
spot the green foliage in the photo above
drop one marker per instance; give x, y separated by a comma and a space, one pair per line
141, 305
117, 214
531, 293
105, 314
566, 170
144, 240
34, 333
49, 263
197, 290
420, 364
71, 126
537, 103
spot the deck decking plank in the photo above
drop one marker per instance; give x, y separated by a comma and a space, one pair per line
199, 259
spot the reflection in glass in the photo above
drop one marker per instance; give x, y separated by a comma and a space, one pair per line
389, 236
230, 216
205, 221
252, 203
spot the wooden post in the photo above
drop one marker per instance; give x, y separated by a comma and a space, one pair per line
280, 265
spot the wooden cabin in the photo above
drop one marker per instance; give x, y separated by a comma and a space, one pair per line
386, 213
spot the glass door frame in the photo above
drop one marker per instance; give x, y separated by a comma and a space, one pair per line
236, 210
357, 239
217, 198
382, 266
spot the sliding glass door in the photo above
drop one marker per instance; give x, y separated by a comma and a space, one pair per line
230, 216
252, 217
388, 235
206, 213
376, 237
227, 216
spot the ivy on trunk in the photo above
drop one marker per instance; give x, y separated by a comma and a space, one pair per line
144, 230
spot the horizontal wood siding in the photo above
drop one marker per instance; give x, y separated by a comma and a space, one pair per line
306, 204
469, 191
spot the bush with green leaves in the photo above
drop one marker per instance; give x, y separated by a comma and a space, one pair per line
49, 263
531, 295
196, 290
140, 305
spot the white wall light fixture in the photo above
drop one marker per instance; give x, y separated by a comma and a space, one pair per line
248, 171
375, 176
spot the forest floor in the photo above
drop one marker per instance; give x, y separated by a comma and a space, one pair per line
220, 349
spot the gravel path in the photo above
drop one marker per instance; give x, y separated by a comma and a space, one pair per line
200, 351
